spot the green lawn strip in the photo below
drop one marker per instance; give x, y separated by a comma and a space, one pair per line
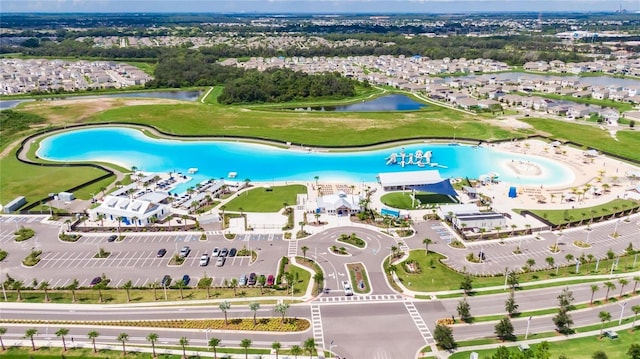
435, 276
354, 278
402, 200
590, 136
562, 216
261, 199
212, 98
35, 182
133, 351
311, 128
578, 348
304, 277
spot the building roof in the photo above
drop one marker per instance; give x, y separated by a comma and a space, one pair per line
458, 209
128, 208
333, 202
412, 178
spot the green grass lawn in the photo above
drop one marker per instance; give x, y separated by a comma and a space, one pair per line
561, 216
259, 199
435, 276
580, 348
403, 200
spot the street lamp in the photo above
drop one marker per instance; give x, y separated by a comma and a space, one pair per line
621, 311
615, 229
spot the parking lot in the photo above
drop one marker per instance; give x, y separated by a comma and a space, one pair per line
134, 258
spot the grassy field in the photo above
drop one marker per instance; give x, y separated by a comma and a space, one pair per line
260, 199
403, 200
581, 348
435, 276
561, 216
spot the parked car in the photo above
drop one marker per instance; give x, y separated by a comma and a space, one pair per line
252, 279
216, 252
161, 253
224, 252
204, 260
166, 281
95, 281
184, 252
186, 279
270, 280
112, 238
220, 262
232, 252
242, 280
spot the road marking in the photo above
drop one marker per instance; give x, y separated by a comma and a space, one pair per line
316, 325
292, 250
417, 319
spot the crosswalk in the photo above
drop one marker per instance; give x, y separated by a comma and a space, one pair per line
316, 325
292, 250
417, 319
360, 298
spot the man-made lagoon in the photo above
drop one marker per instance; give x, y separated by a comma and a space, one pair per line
384, 103
130, 147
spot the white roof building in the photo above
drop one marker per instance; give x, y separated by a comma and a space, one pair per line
339, 204
398, 180
113, 207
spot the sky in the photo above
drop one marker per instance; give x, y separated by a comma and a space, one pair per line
316, 6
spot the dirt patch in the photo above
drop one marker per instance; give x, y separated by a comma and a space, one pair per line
74, 110
510, 123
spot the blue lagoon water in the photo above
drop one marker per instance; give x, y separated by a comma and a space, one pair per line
262, 163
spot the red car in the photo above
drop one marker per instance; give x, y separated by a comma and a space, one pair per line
270, 280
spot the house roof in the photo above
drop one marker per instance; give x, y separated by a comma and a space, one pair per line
340, 200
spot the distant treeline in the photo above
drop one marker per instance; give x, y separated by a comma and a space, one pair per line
514, 50
184, 68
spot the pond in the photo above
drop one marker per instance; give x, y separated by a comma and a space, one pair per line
130, 147
394, 102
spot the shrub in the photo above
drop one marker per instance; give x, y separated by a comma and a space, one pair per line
69, 237
32, 259
3, 255
24, 233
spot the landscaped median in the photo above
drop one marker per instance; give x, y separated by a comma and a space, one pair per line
240, 324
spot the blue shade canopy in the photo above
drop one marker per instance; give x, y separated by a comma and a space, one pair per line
442, 187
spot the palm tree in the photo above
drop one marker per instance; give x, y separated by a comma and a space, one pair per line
224, 307
609, 286
213, 343
61, 333
73, 287
569, 258
17, 286
123, 337
304, 250
183, 343
234, 284
318, 278
101, 218
254, 306
623, 282
296, 350
44, 285
154, 285
181, 285
153, 338
119, 219
3, 330
550, 261
134, 219
636, 310
127, 286
93, 335
276, 347
245, 344
427, 242
530, 263
310, 346
316, 178
282, 308
594, 289
30, 333
636, 279
604, 317
590, 258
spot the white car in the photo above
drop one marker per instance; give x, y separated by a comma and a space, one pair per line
348, 291
204, 260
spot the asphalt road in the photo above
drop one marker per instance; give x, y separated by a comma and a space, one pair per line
362, 326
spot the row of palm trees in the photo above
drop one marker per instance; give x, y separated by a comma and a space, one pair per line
309, 345
611, 286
